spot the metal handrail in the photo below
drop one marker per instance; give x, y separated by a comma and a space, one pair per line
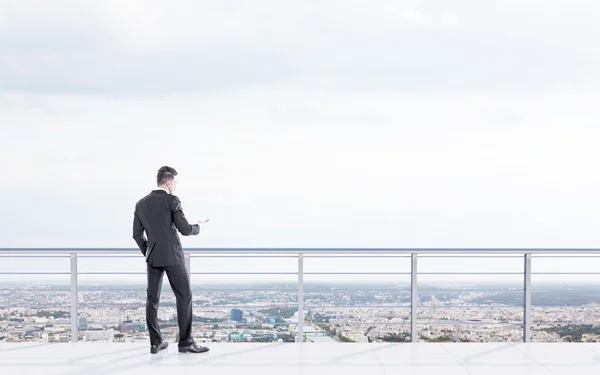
306, 251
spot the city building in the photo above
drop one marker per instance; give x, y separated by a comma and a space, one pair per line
236, 315
235, 336
130, 326
83, 323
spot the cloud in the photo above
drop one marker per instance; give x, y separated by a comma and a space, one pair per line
449, 19
151, 48
317, 149
409, 14
434, 172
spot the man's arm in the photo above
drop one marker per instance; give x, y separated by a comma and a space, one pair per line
180, 221
138, 233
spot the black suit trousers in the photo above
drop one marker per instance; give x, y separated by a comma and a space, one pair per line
180, 284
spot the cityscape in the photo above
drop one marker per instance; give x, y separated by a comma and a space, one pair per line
333, 312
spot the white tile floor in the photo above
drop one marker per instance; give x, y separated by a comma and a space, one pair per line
313, 359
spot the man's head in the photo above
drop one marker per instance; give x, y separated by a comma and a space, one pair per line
165, 178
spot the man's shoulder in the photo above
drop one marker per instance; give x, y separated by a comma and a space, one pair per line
153, 196
142, 201
145, 197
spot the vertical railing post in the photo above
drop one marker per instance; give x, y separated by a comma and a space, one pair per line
188, 265
300, 297
413, 298
74, 313
527, 300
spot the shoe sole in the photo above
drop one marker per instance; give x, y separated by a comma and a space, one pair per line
185, 351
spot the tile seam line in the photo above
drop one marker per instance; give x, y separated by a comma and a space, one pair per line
457, 361
378, 359
536, 361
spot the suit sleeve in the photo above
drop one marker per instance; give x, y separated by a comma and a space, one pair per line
138, 233
181, 222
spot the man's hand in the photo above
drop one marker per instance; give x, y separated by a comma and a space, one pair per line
201, 223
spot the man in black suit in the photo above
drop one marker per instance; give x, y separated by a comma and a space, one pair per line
160, 215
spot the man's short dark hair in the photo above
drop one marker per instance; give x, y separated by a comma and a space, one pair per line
165, 174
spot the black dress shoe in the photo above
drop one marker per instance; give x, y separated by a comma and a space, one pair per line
157, 348
194, 348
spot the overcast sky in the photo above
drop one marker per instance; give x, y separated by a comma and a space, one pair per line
308, 123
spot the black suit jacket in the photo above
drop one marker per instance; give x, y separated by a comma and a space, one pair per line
161, 216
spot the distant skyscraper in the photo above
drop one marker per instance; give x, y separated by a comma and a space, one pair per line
83, 324
236, 315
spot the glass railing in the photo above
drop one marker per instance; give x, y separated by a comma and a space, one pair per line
309, 295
